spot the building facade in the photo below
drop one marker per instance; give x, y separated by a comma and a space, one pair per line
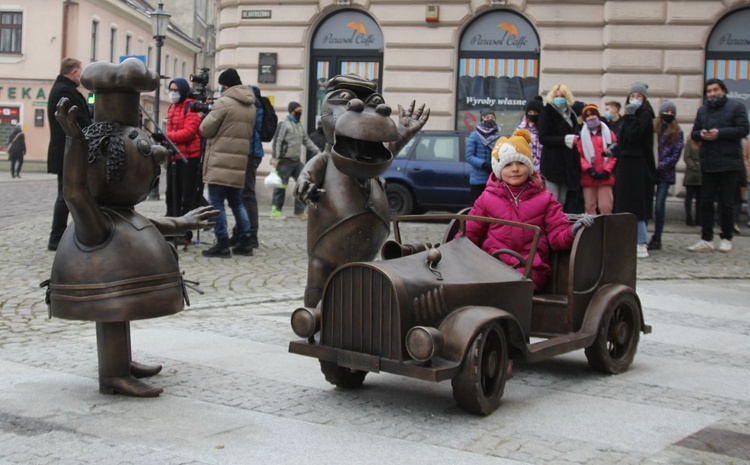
459, 56
35, 35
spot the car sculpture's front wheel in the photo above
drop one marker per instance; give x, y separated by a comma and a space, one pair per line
617, 339
400, 200
341, 376
481, 382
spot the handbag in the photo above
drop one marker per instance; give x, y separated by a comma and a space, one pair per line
273, 180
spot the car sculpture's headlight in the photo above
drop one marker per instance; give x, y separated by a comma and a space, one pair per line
423, 343
306, 321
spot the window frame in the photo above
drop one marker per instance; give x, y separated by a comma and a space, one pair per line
94, 48
12, 27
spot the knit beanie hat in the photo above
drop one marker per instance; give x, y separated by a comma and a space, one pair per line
230, 77
640, 87
536, 104
293, 106
667, 105
510, 149
589, 110
487, 111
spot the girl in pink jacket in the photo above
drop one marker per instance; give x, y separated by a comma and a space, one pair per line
597, 164
515, 193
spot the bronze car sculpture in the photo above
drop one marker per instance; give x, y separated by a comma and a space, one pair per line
455, 312
114, 265
349, 217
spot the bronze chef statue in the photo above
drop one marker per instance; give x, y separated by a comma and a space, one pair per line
114, 265
349, 219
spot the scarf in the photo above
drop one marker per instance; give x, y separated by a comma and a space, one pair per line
566, 113
588, 145
488, 136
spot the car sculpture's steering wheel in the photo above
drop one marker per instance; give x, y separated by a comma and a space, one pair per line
521, 261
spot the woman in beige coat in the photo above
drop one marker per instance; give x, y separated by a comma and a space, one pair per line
228, 129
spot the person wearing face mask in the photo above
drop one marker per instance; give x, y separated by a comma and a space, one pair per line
530, 122
479, 146
66, 85
597, 164
287, 156
612, 115
558, 128
720, 126
671, 142
636, 168
182, 130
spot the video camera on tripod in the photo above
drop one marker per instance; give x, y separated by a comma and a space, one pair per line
203, 104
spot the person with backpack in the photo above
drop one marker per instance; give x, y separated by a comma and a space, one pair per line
290, 137
249, 197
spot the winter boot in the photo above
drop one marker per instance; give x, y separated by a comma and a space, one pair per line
243, 247
220, 249
655, 243
254, 241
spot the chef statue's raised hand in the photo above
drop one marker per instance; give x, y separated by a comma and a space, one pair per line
114, 265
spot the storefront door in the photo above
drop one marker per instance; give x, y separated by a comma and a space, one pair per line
349, 42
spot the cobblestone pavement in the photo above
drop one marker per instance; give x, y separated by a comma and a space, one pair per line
234, 395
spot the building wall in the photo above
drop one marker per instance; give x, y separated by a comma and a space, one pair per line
26, 79
595, 47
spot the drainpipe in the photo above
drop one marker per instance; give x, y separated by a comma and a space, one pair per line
66, 9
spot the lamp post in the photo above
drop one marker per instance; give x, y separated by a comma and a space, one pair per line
159, 25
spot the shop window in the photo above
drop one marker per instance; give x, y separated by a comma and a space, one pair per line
728, 55
498, 68
11, 31
347, 42
10, 116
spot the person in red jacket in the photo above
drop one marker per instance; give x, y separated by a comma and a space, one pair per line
182, 130
597, 164
515, 193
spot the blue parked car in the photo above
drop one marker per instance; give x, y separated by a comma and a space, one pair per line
430, 173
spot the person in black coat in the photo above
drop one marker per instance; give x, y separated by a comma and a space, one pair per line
635, 174
16, 150
66, 86
720, 125
560, 164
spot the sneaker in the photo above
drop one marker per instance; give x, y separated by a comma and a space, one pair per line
642, 251
702, 246
276, 214
301, 216
725, 246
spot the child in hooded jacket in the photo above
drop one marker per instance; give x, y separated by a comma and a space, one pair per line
597, 164
515, 192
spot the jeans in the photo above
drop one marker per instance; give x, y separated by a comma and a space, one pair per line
694, 193
15, 166
59, 214
662, 189
642, 232
725, 185
287, 168
249, 198
560, 191
233, 195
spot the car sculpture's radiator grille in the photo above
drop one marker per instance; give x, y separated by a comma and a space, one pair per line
430, 307
360, 313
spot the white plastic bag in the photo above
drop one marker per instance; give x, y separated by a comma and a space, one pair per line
273, 180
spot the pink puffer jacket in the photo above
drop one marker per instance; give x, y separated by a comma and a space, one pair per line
536, 206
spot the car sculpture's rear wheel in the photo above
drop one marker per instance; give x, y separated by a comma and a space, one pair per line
481, 382
341, 376
618, 335
400, 200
